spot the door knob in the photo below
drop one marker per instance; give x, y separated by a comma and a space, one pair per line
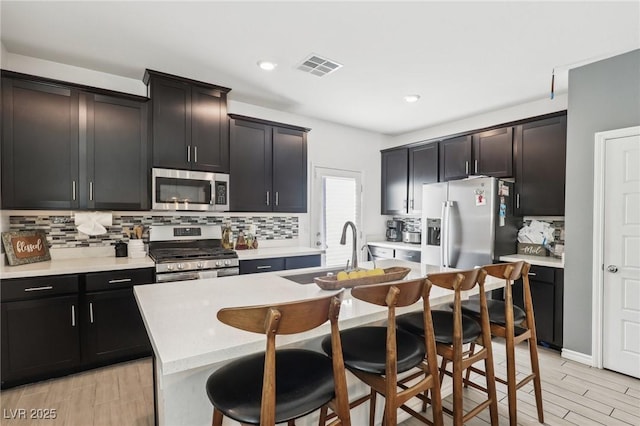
318, 243
612, 268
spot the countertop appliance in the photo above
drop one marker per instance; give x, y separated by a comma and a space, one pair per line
468, 222
394, 230
189, 190
411, 237
190, 252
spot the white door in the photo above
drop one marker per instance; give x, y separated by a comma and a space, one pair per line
621, 289
336, 198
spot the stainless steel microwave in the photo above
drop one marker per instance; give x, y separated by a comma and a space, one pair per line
189, 190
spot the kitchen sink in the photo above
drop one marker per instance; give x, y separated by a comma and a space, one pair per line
307, 277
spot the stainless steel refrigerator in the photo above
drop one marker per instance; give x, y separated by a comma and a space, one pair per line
468, 223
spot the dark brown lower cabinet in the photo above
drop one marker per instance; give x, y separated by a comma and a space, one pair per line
547, 288
279, 264
113, 329
56, 325
40, 338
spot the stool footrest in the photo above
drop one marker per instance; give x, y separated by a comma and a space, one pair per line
526, 380
476, 410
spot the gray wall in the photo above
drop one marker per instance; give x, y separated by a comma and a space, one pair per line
604, 95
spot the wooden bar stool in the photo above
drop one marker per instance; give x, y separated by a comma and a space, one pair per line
283, 385
452, 331
376, 355
515, 326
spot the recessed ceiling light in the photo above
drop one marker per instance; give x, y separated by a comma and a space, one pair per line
411, 98
267, 66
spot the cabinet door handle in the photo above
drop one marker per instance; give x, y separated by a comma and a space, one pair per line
73, 190
120, 280
411, 204
466, 167
188, 153
532, 274
476, 166
517, 201
404, 204
91, 312
267, 197
276, 198
90, 191
46, 287
73, 315
263, 267
195, 153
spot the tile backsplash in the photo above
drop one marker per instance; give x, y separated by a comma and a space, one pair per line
411, 224
414, 224
62, 233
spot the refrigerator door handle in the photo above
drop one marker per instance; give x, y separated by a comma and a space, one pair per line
449, 228
443, 234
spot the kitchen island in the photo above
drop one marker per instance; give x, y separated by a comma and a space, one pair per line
189, 343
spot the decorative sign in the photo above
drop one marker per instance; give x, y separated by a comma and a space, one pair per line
25, 247
532, 249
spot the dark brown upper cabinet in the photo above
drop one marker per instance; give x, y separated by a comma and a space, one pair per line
268, 166
40, 139
116, 154
493, 153
423, 168
540, 167
67, 147
404, 171
189, 123
394, 198
455, 158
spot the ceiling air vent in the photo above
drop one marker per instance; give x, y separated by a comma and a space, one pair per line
319, 66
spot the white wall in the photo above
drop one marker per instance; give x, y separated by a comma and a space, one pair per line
488, 119
63, 72
329, 144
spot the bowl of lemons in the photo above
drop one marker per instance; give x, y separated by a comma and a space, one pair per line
356, 277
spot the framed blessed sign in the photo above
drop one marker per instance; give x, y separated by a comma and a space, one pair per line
25, 247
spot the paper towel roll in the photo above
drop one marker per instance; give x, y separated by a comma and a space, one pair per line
93, 223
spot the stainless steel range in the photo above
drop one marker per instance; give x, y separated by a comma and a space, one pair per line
190, 253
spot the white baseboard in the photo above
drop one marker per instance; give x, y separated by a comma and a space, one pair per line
577, 356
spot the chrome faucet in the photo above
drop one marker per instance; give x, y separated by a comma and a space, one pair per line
343, 241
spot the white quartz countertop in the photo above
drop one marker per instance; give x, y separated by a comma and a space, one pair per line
74, 266
180, 317
535, 260
395, 245
267, 252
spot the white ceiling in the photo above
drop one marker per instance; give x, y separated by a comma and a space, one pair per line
461, 58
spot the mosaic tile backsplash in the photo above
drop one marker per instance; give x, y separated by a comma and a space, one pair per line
62, 233
414, 224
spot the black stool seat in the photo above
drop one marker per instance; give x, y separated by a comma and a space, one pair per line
495, 309
365, 349
304, 382
442, 326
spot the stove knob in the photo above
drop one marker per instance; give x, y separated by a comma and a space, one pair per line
219, 263
180, 266
227, 262
200, 265
169, 267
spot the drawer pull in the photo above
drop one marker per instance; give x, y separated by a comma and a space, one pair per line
264, 267
46, 287
532, 274
121, 280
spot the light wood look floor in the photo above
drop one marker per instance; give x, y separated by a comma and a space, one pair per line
122, 395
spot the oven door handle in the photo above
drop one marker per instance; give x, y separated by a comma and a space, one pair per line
177, 276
